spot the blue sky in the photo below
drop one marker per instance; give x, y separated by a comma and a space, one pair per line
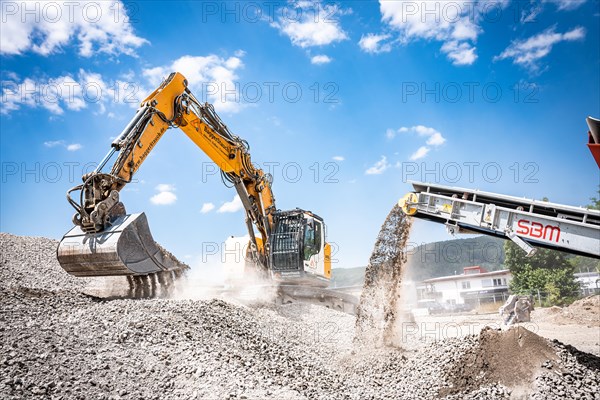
344, 102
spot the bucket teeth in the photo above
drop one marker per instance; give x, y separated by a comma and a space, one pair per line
157, 285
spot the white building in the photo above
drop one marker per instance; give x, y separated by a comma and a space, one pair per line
474, 286
589, 282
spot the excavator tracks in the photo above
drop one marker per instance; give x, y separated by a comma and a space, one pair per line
168, 284
291, 294
329, 298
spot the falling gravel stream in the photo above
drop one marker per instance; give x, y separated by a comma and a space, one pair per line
378, 310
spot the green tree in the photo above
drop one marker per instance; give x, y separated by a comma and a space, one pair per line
585, 264
548, 271
595, 201
515, 258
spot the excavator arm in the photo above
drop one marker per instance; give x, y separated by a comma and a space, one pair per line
173, 105
107, 241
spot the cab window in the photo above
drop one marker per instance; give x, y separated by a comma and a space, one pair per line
312, 239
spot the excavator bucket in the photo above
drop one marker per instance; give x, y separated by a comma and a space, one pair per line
126, 248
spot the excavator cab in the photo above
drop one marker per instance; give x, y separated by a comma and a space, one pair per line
299, 253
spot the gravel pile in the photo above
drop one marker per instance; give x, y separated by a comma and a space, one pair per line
30, 262
70, 345
58, 343
585, 311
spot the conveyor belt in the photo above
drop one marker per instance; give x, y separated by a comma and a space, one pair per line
526, 222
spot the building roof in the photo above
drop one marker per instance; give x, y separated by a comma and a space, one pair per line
587, 274
474, 268
467, 276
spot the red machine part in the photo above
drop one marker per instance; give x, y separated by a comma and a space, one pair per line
594, 138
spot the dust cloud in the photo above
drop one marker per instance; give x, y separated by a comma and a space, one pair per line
224, 274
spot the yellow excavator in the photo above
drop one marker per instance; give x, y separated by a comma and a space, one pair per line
287, 247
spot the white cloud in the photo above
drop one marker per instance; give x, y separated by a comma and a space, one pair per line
455, 24
530, 51
434, 137
207, 207
320, 59
338, 158
440, 20
62, 143
420, 129
211, 78
420, 153
231, 206
54, 143
163, 198
165, 187
165, 195
379, 167
566, 4
74, 147
373, 43
66, 92
309, 24
530, 14
460, 53
48, 27
49, 95
532, 10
